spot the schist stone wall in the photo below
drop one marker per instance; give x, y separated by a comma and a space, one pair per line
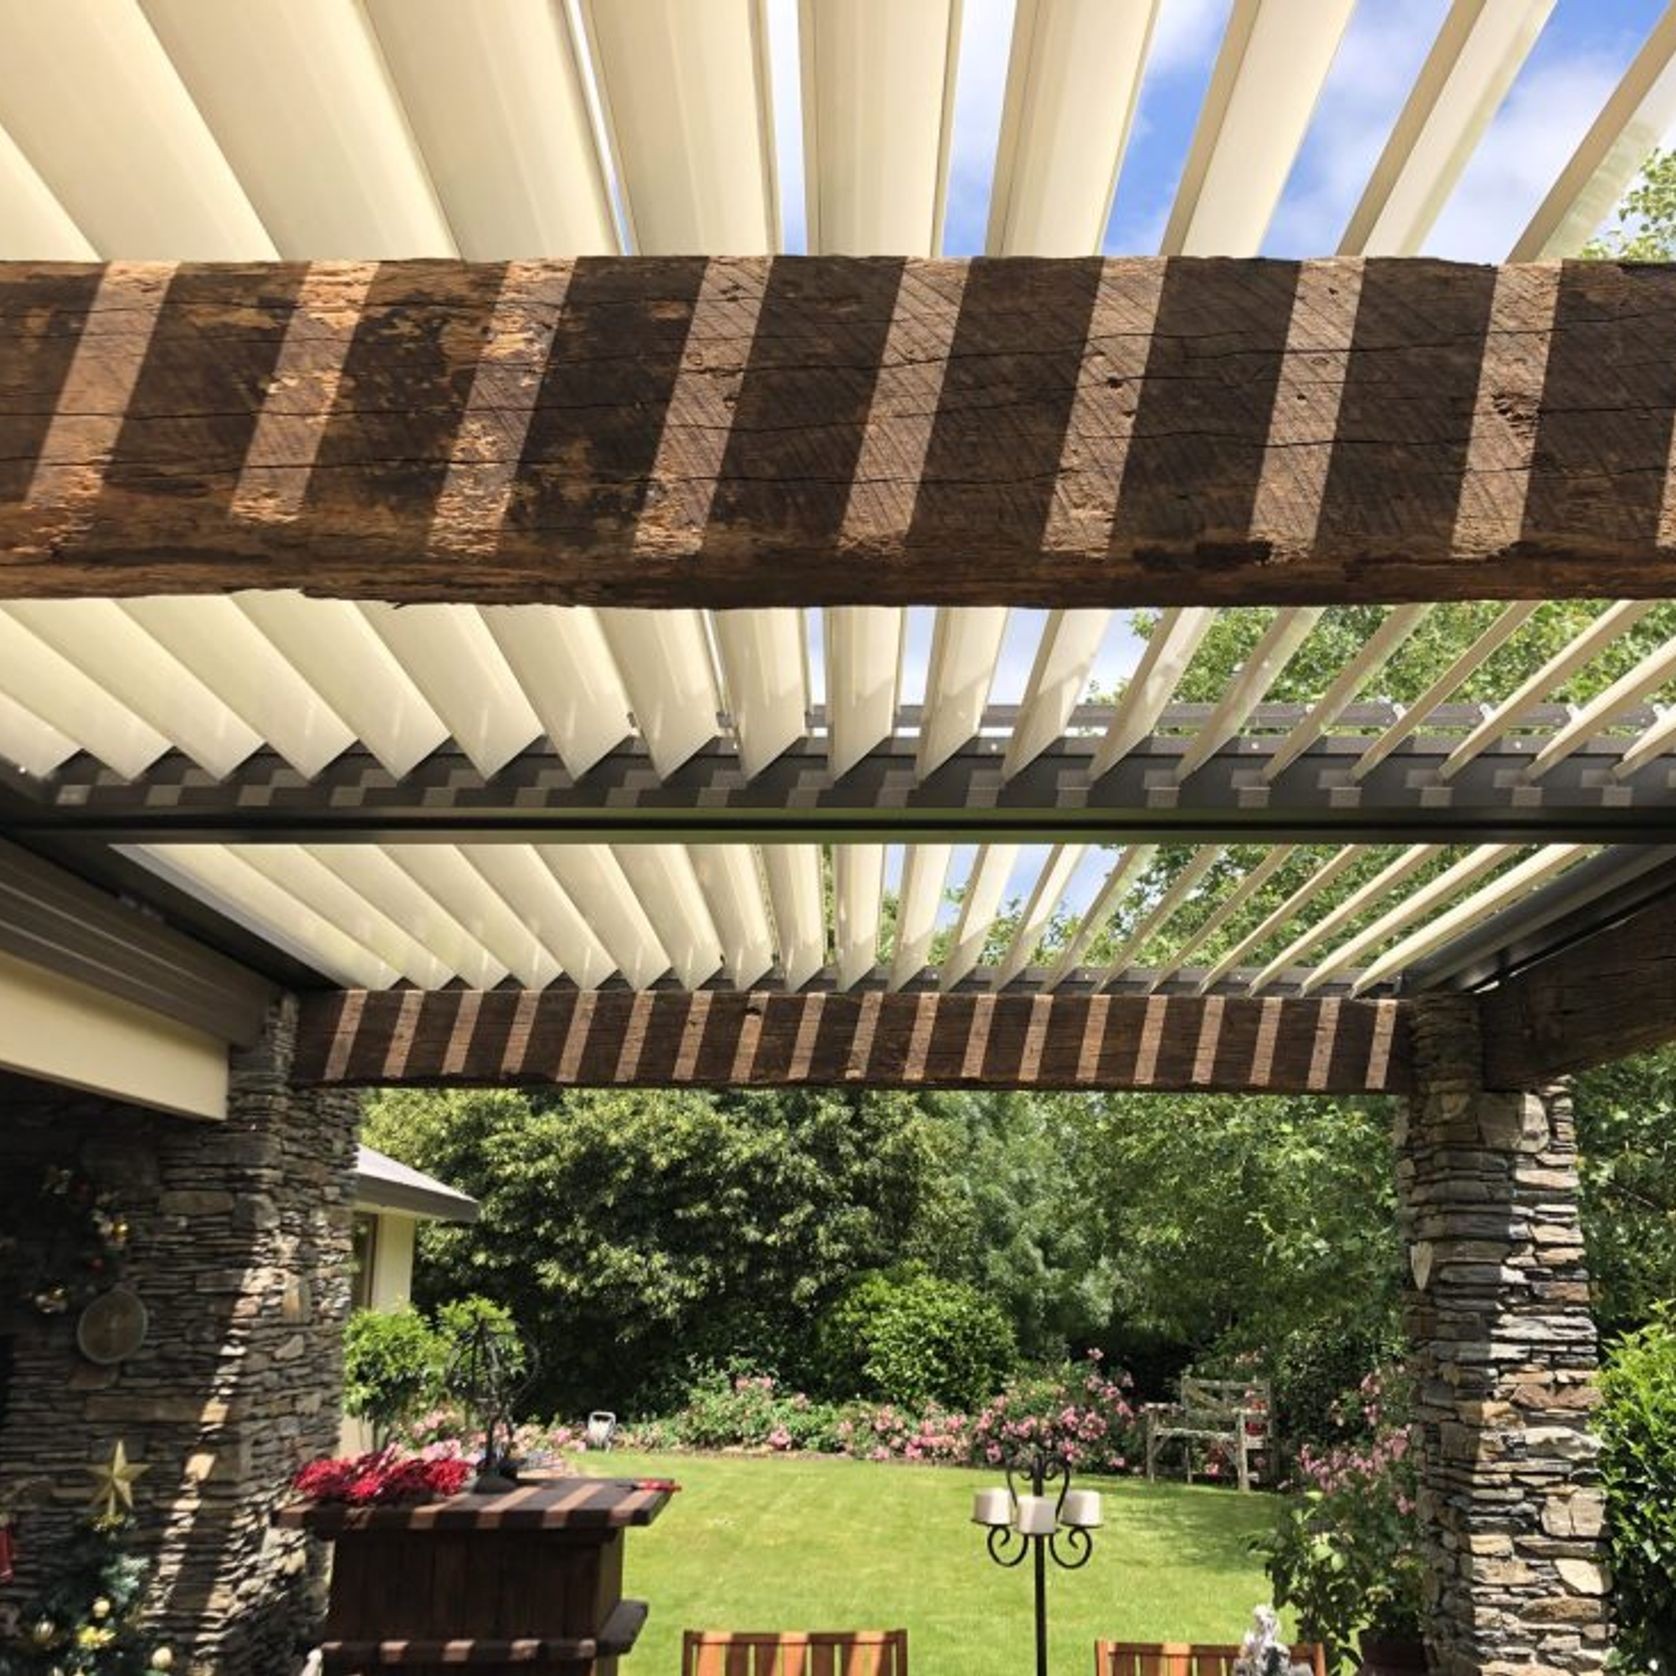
239, 1250
1504, 1352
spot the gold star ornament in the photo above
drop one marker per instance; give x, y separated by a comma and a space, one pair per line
113, 1485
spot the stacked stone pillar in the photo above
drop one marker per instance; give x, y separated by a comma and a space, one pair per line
1503, 1347
240, 1253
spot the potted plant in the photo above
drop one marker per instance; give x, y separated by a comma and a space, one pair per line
1344, 1550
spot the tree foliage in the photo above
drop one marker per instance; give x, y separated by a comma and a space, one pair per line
1643, 228
636, 1235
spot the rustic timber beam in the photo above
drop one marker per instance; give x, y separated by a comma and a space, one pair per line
620, 799
817, 431
902, 1040
1611, 994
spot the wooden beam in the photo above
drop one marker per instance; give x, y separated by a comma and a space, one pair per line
749, 432
671, 1038
1607, 996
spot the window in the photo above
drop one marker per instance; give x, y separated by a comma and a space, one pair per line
363, 1251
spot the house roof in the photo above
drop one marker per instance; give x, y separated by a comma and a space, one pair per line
384, 1183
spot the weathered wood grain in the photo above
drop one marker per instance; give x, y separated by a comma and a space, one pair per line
809, 431
1607, 996
664, 1038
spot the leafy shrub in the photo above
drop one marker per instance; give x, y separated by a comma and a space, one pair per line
1344, 1552
1081, 1413
389, 1366
1638, 1461
911, 1338
732, 1409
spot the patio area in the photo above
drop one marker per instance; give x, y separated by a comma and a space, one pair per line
475, 625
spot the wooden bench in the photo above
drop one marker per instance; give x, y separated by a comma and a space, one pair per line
1182, 1658
1234, 1413
868, 1652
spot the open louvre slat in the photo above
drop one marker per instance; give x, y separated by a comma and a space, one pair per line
1058, 679
980, 903
220, 876
516, 874
34, 745
501, 82
1273, 64
663, 881
1280, 642
591, 877
925, 869
1107, 900
1073, 84
372, 871
763, 670
1417, 903
1181, 887
1509, 887
92, 100
858, 882
1479, 50
1225, 911
348, 180
1046, 894
1382, 884
733, 892
793, 872
1613, 623
1169, 649
101, 640
1652, 672
965, 645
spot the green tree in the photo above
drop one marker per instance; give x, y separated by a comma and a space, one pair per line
1643, 228
1626, 1128
636, 1235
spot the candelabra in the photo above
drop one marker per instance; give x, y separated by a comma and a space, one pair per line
1036, 1523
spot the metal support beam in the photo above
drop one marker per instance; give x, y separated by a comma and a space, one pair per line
1056, 796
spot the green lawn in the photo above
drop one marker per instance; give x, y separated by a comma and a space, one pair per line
816, 1543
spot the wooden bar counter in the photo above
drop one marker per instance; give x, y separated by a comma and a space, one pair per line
527, 1580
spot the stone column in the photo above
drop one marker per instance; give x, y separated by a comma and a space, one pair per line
240, 1253
1503, 1347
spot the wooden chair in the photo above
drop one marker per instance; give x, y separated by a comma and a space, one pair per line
1234, 1414
867, 1652
1181, 1658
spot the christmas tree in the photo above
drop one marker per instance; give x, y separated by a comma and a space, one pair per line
86, 1621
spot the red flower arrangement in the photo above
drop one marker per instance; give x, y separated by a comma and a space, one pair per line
382, 1476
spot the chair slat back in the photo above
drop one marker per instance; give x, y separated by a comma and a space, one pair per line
712, 1652
1182, 1658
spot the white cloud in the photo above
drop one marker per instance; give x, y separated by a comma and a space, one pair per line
1187, 33
1528, 144
1377, 63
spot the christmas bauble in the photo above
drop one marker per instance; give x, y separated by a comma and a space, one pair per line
162, 1659
43, 1632
100, 1609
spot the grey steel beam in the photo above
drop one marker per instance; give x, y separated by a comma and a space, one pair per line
1315, 799
58, 922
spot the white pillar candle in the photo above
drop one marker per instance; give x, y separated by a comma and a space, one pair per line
992, 1507
1037, 1516
1082, 1509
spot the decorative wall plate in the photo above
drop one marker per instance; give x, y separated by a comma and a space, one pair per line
113, 1326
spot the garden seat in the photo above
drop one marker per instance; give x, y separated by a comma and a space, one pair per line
1234, 1414
864, 1652
1182, 1658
